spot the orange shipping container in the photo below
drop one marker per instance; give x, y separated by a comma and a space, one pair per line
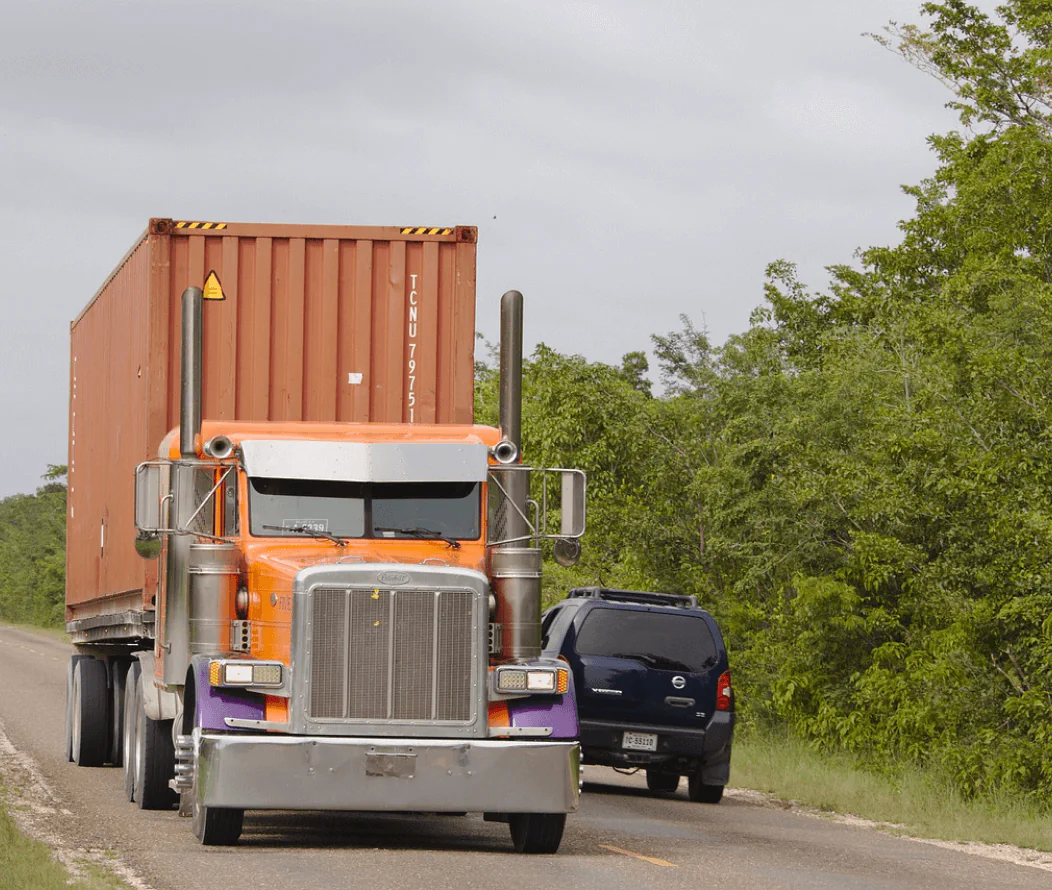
332, 323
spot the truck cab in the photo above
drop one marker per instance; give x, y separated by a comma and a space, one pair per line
350, 620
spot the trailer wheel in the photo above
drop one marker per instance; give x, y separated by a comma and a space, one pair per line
70, 665
119, 672
90, 718
537, 832
152, 751
130, 705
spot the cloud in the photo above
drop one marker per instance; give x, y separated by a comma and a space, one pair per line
641, 160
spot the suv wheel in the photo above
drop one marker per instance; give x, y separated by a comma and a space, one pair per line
702, 793
666, 782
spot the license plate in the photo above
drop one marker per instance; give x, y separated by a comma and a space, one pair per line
640, 741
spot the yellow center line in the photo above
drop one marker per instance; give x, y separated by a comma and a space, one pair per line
651, 859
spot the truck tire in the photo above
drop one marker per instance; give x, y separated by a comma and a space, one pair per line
213, 826
702, 793
662, 782
70, 665
154, 756
537, 832
216, 826
90, 718
118, 673
129, 706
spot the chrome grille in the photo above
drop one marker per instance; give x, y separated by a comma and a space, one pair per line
329, 620
454, 627
413, 689
391, 654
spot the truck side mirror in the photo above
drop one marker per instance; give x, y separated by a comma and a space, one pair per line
148, 545
567, 551
573, 484
151, 493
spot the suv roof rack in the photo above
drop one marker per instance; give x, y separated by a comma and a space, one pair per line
636, 596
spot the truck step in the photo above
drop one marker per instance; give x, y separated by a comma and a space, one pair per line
184, 764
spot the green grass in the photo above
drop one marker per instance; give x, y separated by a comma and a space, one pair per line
27, 865
922, 804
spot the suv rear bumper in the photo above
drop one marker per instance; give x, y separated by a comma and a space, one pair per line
274, 772
601, 743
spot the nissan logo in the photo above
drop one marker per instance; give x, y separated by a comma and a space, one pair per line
679, 682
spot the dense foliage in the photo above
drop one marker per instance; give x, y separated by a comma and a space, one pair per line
33, 554
860, 485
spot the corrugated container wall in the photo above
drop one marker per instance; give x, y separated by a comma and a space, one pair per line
318, 323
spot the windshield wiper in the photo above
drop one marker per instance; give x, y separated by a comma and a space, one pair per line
307, 530
419, 532
658, 661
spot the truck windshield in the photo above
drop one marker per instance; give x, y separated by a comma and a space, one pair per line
285, 507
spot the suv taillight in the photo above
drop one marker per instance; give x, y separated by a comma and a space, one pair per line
723, 692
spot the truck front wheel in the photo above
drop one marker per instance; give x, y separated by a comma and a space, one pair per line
537, 832
216, 826
149, 753
213, 826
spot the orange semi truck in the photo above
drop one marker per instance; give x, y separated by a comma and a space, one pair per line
298, 575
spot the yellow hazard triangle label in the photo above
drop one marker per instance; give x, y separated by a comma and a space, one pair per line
213, 289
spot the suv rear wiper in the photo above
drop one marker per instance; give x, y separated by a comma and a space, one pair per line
307, 530
646, 659
419, 532
657, 661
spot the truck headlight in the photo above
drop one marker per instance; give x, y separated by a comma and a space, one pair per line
540, 681
531, 680
244, 673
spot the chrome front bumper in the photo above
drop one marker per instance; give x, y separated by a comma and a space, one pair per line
424, 775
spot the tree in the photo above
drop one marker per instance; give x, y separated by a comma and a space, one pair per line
1000, 72
859, 484
33, 553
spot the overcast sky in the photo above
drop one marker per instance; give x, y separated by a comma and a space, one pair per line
625, 162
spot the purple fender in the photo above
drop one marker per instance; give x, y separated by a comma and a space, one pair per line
559, 712
214, 703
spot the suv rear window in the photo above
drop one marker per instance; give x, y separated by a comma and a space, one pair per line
658, 639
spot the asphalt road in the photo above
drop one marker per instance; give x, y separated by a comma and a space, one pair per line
620, 839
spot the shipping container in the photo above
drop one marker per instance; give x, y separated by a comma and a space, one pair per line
326, 323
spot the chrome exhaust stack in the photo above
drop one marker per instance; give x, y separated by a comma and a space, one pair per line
515, 565
191, 372
511, 367
505, 452
516, 484
219, 447
175, 638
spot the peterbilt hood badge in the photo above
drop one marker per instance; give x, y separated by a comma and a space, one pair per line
679, 682
393, 579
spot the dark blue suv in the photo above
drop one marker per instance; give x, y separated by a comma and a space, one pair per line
653, 685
